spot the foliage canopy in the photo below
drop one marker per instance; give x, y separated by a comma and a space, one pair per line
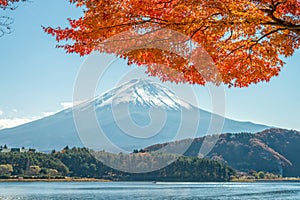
245, 39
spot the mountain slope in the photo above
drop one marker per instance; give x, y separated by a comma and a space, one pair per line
136, 114
272, 150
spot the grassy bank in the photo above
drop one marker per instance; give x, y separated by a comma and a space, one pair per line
286, 179
67, 179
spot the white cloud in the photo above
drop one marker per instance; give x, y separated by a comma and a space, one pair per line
66, 105
9, 123
46, 114
12, 122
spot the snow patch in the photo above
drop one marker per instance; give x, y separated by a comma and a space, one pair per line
142, 92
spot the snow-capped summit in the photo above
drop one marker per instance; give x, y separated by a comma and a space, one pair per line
142, 92
124, 116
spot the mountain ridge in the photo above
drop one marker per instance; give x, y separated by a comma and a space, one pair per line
139, 106
273, 150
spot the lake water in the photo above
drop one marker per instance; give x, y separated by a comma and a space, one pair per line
148, 190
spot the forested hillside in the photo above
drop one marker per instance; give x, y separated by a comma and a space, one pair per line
78, 162
272, 150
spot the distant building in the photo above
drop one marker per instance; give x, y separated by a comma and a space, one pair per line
21, 150
15, 150
5, 150
32, 150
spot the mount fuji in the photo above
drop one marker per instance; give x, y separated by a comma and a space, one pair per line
131, 116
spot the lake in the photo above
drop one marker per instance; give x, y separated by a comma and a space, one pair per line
148, 190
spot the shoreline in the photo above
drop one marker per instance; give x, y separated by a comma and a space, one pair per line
54, 180
69, 179
292, 179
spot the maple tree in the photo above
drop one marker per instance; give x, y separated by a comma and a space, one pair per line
5, 21
246, 39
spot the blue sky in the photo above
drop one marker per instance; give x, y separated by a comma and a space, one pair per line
37, 79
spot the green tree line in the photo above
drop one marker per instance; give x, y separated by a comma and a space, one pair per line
81, 162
